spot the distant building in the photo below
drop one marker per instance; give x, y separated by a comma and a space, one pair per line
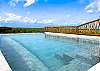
88, 28
91, 27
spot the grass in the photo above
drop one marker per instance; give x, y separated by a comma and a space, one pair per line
20, 30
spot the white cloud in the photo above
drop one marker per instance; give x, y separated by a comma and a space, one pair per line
33, 21
83, 20
28, 20
13, 3
90, 11
18, 18
93, 7
29, 2
1, 18
12, 17
98, 5
46, 21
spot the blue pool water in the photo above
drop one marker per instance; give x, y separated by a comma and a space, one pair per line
41, 52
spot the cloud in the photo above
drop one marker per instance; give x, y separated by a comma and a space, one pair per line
90, 11
0, 18
29, 2
93, 7
46, 21
9, 17
12, 17
28, 20
13, 3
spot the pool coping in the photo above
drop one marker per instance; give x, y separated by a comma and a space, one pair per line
95, 67
4, 66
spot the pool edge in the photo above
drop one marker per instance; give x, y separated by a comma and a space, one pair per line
4, 66
73, 35
95, 67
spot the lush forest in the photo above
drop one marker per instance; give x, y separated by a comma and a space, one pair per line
20, 30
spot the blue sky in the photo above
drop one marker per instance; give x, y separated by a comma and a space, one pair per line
48, 12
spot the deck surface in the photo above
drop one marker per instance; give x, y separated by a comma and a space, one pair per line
3, 63
95, 68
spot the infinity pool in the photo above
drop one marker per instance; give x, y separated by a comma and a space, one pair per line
41, 52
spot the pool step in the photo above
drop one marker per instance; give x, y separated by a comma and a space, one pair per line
83, 57
65, 59
75, 65
94, 60
20, 58
3, 63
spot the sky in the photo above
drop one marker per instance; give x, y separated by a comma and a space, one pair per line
39, 13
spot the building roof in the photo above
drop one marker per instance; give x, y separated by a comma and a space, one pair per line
90, 22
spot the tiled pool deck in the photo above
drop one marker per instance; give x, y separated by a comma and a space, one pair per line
3, 63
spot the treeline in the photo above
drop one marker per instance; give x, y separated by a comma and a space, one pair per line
20, 30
